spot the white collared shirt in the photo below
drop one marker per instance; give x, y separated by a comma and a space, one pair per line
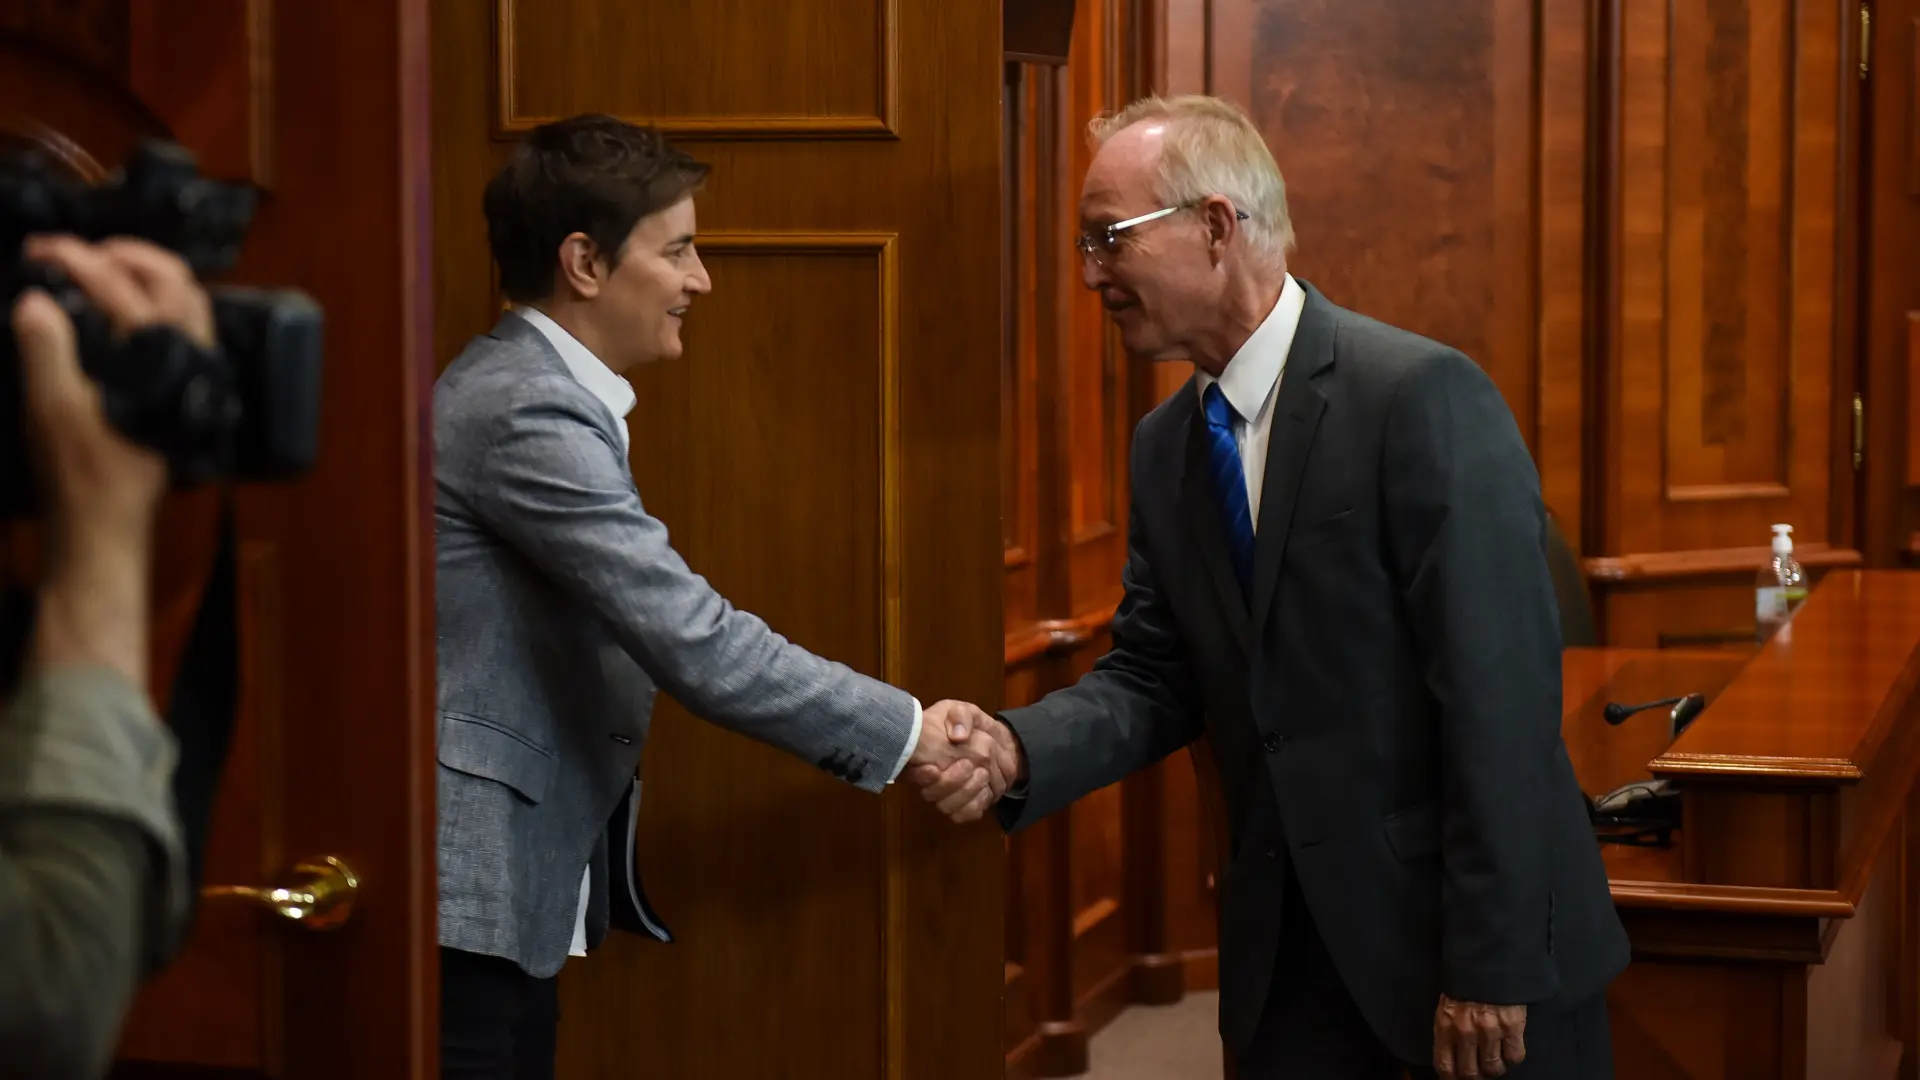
1251, 382
587, 369
616, 393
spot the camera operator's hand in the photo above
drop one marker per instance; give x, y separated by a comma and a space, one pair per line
100, 490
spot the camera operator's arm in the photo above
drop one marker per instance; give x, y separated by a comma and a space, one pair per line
91, 877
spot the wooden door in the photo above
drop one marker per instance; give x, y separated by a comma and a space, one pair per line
333, 754
826, 452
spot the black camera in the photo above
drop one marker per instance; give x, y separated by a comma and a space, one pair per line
248, 409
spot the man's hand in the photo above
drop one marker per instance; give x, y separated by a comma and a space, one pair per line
100, 491
966, 760
1471, 1040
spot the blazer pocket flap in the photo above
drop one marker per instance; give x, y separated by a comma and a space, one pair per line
1415, 831
489, 751
1332, 527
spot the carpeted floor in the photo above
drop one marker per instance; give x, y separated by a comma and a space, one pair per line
1171, 1042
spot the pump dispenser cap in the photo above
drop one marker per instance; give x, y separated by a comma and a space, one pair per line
1783, 539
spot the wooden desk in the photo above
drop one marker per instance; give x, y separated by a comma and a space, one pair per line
1778, 937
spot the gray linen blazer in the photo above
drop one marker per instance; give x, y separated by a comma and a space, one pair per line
561, 608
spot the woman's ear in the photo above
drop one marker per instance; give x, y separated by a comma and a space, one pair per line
580, 268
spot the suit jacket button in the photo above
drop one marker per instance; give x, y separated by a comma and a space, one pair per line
1273, 851
1273, 743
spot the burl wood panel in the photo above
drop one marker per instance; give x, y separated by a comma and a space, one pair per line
1406, 133
1726, 397
733, 68
1721, 365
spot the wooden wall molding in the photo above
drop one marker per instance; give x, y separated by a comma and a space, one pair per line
1913, 109
511, 120
1053, 637
1105, 911
1713, 562
882, 248
226, 111
1913, 378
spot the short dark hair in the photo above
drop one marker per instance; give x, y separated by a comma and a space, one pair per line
588, 174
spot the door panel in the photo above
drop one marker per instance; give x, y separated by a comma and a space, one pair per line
333, 751
826, 452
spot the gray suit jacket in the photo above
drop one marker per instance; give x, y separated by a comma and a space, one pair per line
561, 608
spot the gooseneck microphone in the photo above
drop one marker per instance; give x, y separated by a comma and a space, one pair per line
1688, 707
1617, 713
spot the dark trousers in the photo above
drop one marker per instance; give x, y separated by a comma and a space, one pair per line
1312, 1030
496, 1021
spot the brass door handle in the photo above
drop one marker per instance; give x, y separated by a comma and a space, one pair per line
318, 895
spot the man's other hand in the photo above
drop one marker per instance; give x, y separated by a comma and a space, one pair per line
1471, 1041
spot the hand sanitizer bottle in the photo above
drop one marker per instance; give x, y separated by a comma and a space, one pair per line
1782, 585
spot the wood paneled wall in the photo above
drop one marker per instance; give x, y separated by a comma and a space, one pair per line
1640, 219
1108, 903
1681, 239
825, 454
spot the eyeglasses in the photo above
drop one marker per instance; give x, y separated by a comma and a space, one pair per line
1101, 245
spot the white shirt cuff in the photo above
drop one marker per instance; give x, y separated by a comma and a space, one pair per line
913, 740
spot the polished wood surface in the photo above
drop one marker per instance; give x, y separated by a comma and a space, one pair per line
333, 753
825, 453
1785, 914
1605, 755
1823, 697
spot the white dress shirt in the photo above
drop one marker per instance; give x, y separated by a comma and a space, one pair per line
616, 393
1251, 382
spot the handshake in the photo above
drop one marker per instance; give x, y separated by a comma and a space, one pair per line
966, 760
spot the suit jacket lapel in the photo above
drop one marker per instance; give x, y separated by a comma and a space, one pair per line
1296, 420
1209, 536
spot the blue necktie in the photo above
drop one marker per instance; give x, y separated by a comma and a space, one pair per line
1230, 485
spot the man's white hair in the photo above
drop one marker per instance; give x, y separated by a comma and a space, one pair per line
1210, 147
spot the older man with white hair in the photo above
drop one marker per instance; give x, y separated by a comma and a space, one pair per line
1337, 570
